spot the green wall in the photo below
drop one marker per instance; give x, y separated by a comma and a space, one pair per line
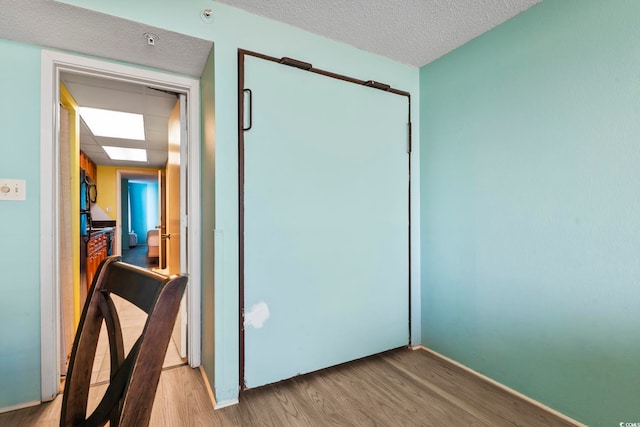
230, 30
20, 226
530, 160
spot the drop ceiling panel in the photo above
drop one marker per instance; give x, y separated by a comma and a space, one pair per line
93, 150
156, 106
157, 140
108, 99
103, 83
156, 157
117, 142
157, 123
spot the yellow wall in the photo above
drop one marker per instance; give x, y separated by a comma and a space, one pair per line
106, 182
74, 164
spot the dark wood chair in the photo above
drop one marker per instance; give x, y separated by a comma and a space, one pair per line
134, 379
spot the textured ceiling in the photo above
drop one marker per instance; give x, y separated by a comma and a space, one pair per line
413, 32
61, 26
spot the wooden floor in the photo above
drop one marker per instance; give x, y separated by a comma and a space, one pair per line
397, 388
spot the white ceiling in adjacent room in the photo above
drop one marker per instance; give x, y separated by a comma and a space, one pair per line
154, 105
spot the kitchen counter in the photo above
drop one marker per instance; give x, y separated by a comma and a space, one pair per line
96, 231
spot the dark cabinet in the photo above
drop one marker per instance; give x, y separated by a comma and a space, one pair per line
97, 250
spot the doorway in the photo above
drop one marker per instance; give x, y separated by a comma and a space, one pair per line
140, 216
129, 202
54, 64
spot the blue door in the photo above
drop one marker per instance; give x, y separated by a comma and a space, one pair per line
326, 262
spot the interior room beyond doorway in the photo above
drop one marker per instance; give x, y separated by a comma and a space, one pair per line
128, 195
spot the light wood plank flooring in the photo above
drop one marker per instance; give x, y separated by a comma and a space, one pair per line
397, 388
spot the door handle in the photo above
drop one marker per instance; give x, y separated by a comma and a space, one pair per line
165, 236
250, 109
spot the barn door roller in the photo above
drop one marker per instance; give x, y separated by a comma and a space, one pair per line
295, 63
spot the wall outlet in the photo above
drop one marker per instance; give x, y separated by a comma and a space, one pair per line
13, 189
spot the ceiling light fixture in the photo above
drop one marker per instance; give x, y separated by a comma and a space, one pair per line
127, 154
113, 124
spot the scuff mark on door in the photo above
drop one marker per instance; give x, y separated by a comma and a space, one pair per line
257, 316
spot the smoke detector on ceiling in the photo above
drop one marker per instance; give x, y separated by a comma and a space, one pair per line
151, 38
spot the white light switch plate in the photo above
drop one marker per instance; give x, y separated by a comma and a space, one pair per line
13, 189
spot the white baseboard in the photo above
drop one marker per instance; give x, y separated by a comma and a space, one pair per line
219, 405
501, 386
226, 403
19, 406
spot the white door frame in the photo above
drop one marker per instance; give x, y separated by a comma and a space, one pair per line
52, 64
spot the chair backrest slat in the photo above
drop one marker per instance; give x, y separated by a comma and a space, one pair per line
134, 378
138, 287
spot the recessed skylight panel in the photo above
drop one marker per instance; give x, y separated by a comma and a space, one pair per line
127, 154
113, 124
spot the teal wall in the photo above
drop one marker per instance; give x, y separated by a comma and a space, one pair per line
530, 206
138, 209
124, 207
231, 29
143, 203
20, 226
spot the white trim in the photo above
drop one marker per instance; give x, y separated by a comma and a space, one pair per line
194, 232
501, 386
225, 404
49, 276
52, 63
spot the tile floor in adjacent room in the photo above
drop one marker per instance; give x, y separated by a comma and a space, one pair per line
132, 320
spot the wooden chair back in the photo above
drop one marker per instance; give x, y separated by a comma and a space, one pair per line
134, 379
